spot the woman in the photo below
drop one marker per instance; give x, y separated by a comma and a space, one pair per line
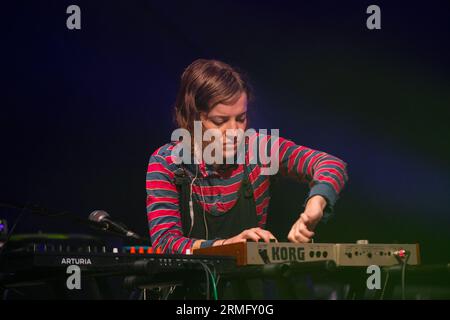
209, 204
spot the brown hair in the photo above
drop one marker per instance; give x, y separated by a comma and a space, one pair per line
204, 84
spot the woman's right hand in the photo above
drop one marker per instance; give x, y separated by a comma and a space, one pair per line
253, 234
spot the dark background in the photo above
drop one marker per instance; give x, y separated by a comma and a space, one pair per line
82, 110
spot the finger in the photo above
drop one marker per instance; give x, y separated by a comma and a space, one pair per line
291, 237
307, 234
238, 240
295, 237
303, 229
251, 235
271, 236
265, 235
301, 238
308, 222
305, 218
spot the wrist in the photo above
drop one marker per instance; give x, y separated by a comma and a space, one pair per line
208, 243
316, 202
196, 244
219, 242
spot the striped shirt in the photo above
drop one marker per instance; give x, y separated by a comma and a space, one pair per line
218, 192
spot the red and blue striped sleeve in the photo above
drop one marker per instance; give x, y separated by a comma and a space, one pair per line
163, 212
325, 174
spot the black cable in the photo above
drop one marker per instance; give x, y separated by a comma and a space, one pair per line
208, 295
209, 273
405, 262
170, 291
206, 269
213, 278
385, 285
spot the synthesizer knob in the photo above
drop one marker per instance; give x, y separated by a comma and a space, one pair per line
141, 250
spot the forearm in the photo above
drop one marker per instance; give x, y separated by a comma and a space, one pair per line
172, 242
217, 242
313, 166
316, 202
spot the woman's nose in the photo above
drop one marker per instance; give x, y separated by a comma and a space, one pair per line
233, 125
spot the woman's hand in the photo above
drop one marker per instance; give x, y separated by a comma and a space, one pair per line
303, 228
254, 234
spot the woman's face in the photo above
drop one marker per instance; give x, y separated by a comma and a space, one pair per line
227, 116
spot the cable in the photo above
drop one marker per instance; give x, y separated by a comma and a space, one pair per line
407, 254
208, 295
402, 257
217, 280
214, 288
206, 269
213, 281
191, 208
385, 285
204, 216
171, 289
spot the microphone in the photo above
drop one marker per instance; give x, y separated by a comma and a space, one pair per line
103, 218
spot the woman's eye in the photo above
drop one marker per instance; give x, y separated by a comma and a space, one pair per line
242, 119
218, 122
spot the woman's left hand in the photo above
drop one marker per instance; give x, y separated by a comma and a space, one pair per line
303, 228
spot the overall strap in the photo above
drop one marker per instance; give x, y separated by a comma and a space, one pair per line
183, 184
